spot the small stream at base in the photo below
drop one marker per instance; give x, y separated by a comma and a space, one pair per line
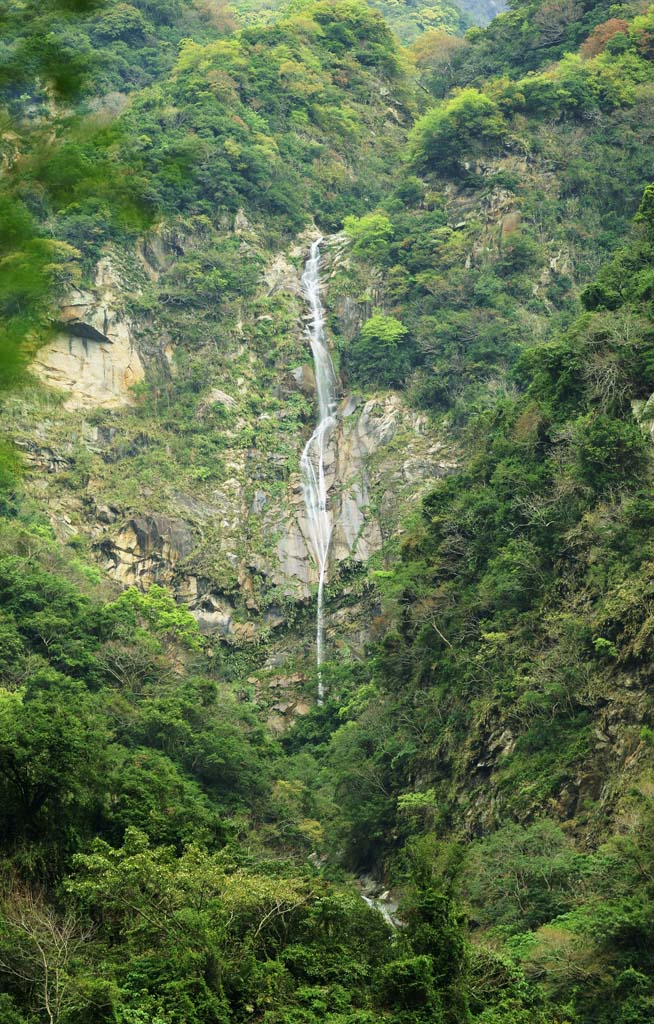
379, 899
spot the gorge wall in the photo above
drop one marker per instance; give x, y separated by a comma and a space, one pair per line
229, 536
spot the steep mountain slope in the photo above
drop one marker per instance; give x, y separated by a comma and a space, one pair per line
407, 19
515, 691
196, 484
180, 820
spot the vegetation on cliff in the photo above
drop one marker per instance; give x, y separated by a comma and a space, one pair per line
166, 858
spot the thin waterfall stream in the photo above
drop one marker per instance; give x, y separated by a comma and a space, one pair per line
312, 462
314, 489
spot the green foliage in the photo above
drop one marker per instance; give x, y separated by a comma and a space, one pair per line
148, 779
51, 761
464, 128
645, 213
605, 647
370, 234
409, 984
95, 47
147, 815
122, 21
46, 45
518, 609
30, 265
379, 356
240, 145
52, 166
521, 877
155, 609
607, 451
407, 21
529, 37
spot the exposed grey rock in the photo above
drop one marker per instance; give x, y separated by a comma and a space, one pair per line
146, 549
359, 461
248, 529
643, 411
192, 506
282, 276
304, 378
44, 458
159, 251
106, 514
349, 406
216, 397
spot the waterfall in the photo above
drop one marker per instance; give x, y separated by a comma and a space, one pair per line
312, 463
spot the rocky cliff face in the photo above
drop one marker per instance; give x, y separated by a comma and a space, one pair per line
93, 359
228, 536
380, 459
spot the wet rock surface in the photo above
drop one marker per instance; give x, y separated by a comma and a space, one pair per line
379, 898
370, 484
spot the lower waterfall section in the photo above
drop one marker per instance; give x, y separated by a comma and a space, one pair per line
312, 462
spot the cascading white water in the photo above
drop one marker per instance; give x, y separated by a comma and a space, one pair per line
312, 463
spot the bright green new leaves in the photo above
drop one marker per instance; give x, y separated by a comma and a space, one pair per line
462, 129
156, 610
370, 234
379, 355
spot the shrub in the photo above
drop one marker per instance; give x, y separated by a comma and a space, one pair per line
464, 128
379, 356
408, 983
609, 452
370, 234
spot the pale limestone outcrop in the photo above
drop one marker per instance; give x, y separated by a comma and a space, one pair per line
92, 358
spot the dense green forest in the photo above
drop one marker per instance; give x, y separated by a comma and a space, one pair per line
462, 832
